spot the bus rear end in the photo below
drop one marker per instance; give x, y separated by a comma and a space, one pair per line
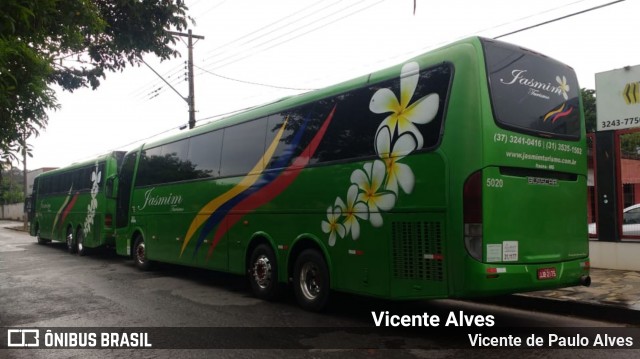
525, 220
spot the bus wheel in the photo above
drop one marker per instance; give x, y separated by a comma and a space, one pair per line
311, 280
80, 240
140, 254
71, 242
263, 272
39, 238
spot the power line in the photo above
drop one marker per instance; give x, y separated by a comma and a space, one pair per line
295, 36
253, 83
251, 53
530, 16
559, 18
210, 9
287, 17
143, 90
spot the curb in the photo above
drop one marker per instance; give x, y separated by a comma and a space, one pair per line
591, 310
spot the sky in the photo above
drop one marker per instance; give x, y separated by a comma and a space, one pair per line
257, 51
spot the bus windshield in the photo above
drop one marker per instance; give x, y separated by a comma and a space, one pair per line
532, 93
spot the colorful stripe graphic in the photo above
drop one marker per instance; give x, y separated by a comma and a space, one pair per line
554, 115
274, 187
63, 212
255, 189
214, 205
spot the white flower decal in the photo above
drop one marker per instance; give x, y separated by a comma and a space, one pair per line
331, 225
403, 116
397, 173
376, 186
96, 175
563, 86
353, 210
370, 183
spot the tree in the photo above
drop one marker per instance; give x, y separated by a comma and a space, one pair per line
589, 106
72, 43
11, 190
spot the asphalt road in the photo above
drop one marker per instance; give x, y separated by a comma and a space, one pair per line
209, 314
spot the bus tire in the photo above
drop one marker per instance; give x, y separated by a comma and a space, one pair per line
311, 282
140, 254
39, 237
82, 250
71, 241
263, 272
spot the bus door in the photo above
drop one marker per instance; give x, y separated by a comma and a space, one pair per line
123, 202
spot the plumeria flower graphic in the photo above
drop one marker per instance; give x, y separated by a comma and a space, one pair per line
352, 210
563, 86
370, 182
397, 173
332, 226
404, 116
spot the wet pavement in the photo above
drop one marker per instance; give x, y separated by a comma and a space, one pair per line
613, 295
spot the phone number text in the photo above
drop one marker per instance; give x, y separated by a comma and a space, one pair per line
536, 142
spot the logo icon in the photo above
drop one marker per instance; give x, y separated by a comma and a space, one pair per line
631, 93
23, 338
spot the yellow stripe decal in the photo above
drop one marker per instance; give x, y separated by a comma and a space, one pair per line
246, 182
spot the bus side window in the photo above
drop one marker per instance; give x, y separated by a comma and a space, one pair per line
242, 147
204, 154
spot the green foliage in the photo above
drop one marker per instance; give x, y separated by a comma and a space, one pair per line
11, 188
630, 145
589, 106
72, 43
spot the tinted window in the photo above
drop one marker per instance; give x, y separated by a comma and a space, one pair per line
299, 130
165, 164
354, 127
76, 180
204, 154
177, 149
150, 164
243, 146
532, 93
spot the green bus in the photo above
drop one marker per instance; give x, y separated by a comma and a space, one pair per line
461, 172
76, 204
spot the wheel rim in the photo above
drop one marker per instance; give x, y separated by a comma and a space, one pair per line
310, 281
262, 271
80, 241
69, 239
140, 255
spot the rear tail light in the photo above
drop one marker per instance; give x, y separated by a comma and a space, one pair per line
108, 220
472, 207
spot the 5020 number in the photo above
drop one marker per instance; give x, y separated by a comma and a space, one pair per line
495, 182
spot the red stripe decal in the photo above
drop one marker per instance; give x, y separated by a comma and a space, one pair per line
273, 189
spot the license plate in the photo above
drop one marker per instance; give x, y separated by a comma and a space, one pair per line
546, 273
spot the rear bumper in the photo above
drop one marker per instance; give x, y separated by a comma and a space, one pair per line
482, 279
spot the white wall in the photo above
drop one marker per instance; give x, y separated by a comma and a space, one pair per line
12, 211
615, 255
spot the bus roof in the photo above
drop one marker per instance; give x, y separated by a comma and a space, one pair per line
112, 154
298, 100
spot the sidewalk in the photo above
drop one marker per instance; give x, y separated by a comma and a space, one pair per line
14, 225
614, 295
611, 287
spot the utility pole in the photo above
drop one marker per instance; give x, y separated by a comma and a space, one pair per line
25, 216
191, 98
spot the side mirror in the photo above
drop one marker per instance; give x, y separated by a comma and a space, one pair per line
111, 187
